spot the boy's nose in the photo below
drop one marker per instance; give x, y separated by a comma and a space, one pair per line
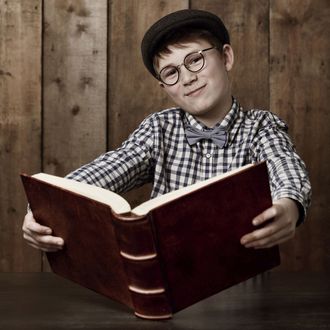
186, 76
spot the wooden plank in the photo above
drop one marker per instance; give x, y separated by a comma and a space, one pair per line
75, 66
75, 84
248, 25
20, 125
299, 92
133, 92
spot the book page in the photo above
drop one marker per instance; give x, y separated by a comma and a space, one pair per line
147, 206
117, 203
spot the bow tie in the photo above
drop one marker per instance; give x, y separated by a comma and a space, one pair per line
217, 135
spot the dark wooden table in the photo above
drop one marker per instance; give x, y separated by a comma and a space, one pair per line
272, 301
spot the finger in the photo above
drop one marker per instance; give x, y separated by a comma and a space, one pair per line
266, 215
37, 228
274, 239
273, 243
44, 249
31, 225
48, 240
262, 233
44, 241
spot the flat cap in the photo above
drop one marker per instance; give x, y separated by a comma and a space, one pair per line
187, 18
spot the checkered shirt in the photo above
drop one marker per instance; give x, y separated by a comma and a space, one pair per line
158, 152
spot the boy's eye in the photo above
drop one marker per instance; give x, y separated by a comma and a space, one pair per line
194, 60
169, 72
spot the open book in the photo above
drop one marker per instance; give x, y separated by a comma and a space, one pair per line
163, 255
118, 204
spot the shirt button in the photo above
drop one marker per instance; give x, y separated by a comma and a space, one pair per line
208, 155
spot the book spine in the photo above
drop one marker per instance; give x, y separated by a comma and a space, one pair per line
145, 279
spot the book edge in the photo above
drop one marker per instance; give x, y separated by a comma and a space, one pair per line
93, 192
152, 204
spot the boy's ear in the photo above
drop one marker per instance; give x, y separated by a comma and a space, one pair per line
161, 84
228, 55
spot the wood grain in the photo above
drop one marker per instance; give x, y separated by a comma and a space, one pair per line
74, 86
299, 93
248, 25
257, 304
20, 125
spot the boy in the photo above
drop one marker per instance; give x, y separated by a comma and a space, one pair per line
189, 53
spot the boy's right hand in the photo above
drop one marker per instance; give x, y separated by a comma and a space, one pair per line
39, 236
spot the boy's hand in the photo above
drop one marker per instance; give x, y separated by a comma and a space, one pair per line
283, 216
39, 236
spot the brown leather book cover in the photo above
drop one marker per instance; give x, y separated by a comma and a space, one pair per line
178, 254
198, 237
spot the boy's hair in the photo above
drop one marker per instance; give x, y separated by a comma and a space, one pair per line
180, 37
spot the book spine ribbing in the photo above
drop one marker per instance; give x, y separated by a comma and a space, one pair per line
142, 265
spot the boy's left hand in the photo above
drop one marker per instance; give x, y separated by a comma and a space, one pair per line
282, 217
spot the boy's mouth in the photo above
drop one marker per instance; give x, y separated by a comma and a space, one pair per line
195, 91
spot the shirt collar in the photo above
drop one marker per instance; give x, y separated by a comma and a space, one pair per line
227, 122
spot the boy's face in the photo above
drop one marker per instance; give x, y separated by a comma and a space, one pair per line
205, 94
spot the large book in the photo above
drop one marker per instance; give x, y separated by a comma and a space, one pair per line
164, 255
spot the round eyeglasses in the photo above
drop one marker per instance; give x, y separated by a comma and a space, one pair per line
193, 62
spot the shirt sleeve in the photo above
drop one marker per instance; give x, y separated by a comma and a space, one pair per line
287, 172
123, 169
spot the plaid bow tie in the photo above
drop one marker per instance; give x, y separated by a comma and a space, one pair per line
217, 135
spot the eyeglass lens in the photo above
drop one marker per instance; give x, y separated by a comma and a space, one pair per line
193, 62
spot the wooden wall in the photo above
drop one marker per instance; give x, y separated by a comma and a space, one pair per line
72, 85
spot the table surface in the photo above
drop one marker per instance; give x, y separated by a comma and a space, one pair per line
274, 300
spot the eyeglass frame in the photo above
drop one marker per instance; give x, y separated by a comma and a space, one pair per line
177, 67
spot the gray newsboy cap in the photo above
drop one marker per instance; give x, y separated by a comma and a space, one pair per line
186, 18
